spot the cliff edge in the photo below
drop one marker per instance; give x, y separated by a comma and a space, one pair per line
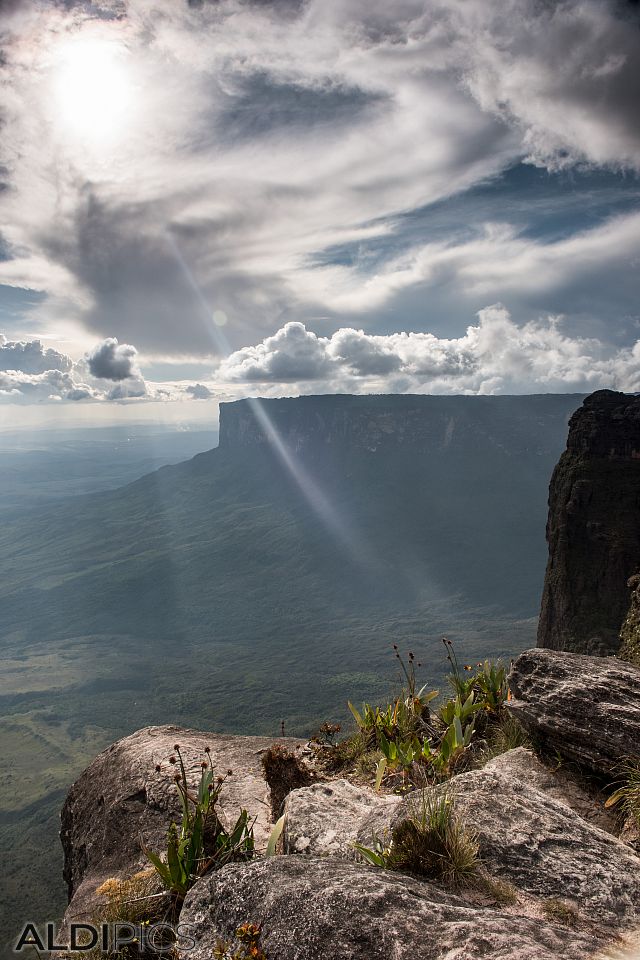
593, 529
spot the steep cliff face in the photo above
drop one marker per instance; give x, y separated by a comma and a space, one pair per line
515, 425
593, 530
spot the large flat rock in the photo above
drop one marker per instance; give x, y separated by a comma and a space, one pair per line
121, 798
587, 708
528, 837
329, 909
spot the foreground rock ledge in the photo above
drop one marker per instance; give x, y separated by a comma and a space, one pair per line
120, 797
587, 708
318, 909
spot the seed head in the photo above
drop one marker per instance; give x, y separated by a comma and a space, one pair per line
172, 759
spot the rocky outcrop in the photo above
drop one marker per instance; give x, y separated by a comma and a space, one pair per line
593, 529
526, 836
587, 708
561, 782
553, 880
122, 798
311, 909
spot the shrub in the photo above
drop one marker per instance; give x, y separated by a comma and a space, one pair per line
431, 842
201, 843
283, 772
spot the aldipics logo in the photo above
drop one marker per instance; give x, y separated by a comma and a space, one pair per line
109, 938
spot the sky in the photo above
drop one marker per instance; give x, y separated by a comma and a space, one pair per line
219, 198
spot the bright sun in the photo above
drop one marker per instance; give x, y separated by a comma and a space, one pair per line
92, 89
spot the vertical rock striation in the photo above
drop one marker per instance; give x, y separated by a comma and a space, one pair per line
593, 529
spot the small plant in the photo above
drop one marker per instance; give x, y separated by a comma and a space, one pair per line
560, 911
488, 682
201, 843
627, 795
247, 946
503, 735
499, 891
403, 719
403, 744
327, 732
430, 842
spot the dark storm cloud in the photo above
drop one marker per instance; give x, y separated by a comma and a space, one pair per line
111, 360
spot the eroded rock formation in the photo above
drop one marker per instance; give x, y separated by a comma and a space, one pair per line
121, 799
555, 879
593, 528
586, 708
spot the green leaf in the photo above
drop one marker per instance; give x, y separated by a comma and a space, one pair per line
276, 833
380, 769
356, 714
377, 859
457, 726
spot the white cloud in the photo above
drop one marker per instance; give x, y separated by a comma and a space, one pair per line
260, 137
19, 387
494, 356
31, 356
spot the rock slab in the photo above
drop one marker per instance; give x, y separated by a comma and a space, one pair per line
587, 708
328, 909
120, 799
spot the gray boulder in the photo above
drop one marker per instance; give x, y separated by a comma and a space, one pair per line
587, 708
327, 909
527, 837
324, 819
548, 852
121, 798
561, 783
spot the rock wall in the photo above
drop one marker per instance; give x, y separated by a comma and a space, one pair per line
424, 423
593, 529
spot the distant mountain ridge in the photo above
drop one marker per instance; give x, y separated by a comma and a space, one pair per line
386, 421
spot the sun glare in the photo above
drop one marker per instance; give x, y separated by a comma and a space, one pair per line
92, 89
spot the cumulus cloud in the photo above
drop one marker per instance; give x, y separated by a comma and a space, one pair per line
31, 356
19, 387
111, 360
293, 353
199, 391
29, 373
301, 134
496, 355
